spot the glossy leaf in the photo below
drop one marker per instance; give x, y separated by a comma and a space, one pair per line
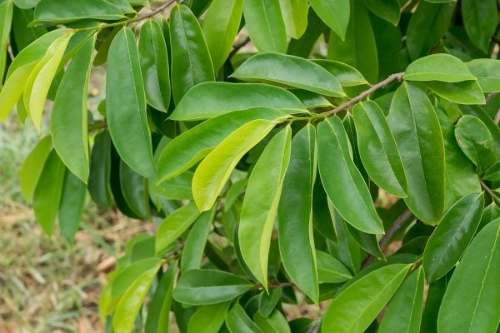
191, 62
220, 26
346, 74
476, 281
6, 13
438, 67
155, 65
174, 225
480, 21
377, 148
359, 48
295, 229
330, 270
335, 13
206, 287
356, 306
455, 231
342, 180
467, 92
275, 323
487, 72
213, 172
99, 183
404, 312
157, 320
415, 126
290, 71
192, 253
265, 25
218, 98
48, 192
32, 167
126, 104
237, 321
260, 204
71, 206
208, 318
134, 190
388, 10
69, 114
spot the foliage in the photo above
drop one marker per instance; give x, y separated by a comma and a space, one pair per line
278, 169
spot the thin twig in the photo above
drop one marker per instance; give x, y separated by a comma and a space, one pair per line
493, 195
238, 45
364, 94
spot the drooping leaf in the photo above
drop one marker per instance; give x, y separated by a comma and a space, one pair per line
335, 13
69, 114
467, 92
208, 318
126, 104
174, 225
260, 204
48, 192
213, 99
487, 72
480, 22
438, 67
237, 321
32, 167
265, 25
415, 126
290, 71
158, 317
330, 270
6, 13
99, 183
388, 10
71, 206
359, 48
155, 65
192, 253
377, 148
404, 313
342, 180
191, 62
134, 190
206, 287
295, 229
356, 306
449, 240
471, 301
13, 89
213, 172
220, 27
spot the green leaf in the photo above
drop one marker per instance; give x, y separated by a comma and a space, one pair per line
134, 190
32, 167
377, 148
289, 71
426, 27
126, 104
260, 204
295, 229
312, 100
476, 141
359, 48
71, 207
268, 301
26, 4
206, 287
346, 74
220, 26
335, 13
388, 10
63, 11
471, 301
6, 13
330, 270
265, 25
154, 65
467, 92
99, 183
13, 89
415, 126
295, 16
480, 22
342, 180
355, 307
237, 321
158, 317
275, 323
69, 114
220, 98
192, 253
438, 67
131, 301
404, 312
487, 72
191, 62
213, 172
208, 318
48, 192
455, 231
40, 79
174, 225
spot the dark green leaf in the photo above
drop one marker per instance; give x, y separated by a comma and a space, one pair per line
237, 321
99, 183
335, 13
480, 21
71, 207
